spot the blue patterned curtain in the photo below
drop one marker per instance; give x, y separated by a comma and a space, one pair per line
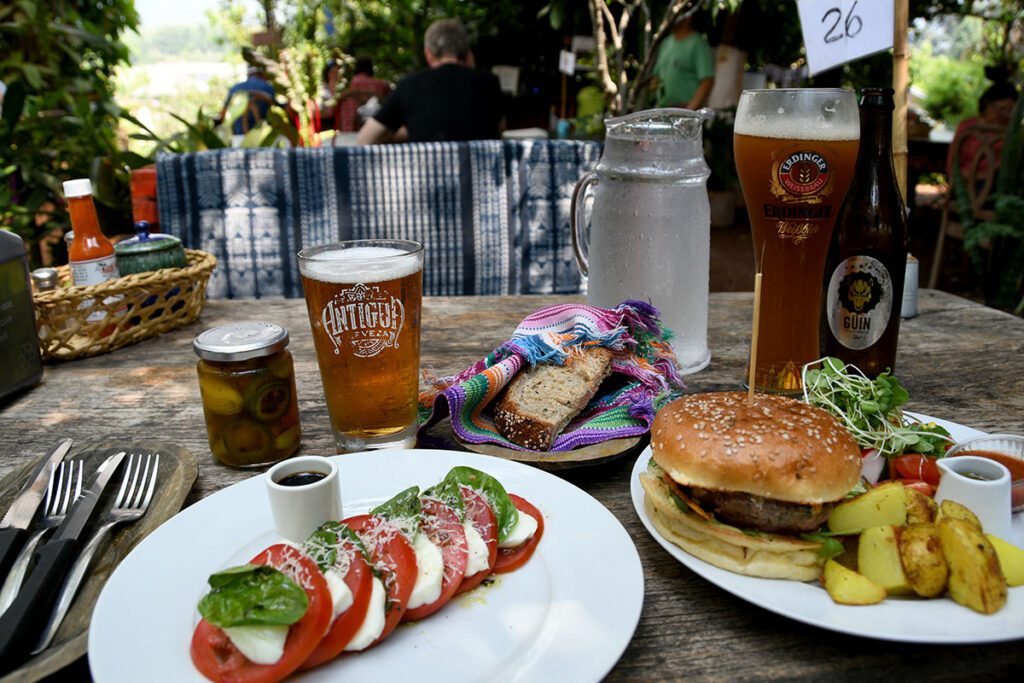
493, 216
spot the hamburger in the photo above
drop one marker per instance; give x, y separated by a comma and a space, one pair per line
737, 485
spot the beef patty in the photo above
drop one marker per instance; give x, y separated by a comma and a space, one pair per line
764, 514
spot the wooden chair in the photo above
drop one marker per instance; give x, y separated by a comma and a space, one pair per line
979, 187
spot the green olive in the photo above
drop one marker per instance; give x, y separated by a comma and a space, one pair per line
268, 401
287, 439
219, 397
247, 442
281, 367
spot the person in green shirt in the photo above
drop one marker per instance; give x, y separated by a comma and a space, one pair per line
684, 68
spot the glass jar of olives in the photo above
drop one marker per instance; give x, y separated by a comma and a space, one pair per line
247, 382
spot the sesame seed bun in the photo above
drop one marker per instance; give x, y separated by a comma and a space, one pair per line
779, 448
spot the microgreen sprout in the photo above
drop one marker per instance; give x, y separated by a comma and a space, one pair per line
870, 409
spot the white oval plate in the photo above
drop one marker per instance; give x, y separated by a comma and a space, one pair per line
900, 619
556, 618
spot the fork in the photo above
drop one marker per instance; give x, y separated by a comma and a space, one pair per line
63, 488
133, 498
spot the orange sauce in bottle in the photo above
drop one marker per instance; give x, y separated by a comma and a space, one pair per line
91, 254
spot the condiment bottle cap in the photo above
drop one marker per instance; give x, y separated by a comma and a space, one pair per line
44, 279
240, 341
78, 187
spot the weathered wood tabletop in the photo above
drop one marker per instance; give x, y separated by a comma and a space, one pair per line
959, 360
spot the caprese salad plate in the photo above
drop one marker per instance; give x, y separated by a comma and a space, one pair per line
553, 618
902, 620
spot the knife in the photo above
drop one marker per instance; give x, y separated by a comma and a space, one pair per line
14, 525
23, 621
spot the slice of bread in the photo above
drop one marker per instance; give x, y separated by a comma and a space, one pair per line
540, 401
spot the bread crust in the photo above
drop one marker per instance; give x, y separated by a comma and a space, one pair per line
765, 555
541, 400
780, 448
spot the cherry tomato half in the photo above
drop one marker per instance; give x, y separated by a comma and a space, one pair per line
922, 486
917, 466
392, 555
481, 516
359, 579
510, 559
443, 527
218, 659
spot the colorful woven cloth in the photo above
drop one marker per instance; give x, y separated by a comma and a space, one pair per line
643, 365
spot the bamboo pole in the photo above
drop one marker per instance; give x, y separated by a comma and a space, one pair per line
901, 84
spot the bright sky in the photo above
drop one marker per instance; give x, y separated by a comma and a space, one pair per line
177, 12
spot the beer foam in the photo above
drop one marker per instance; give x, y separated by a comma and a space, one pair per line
360, 264
794, 126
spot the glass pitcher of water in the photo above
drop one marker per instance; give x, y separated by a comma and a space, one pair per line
650, 226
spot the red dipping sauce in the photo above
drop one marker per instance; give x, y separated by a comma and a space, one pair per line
1016, 468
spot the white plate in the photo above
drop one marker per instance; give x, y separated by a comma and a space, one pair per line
905, 620
555, 618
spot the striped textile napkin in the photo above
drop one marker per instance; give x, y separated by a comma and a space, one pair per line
644, 368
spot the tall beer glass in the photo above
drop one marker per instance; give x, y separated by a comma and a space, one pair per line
363, 299
795, 153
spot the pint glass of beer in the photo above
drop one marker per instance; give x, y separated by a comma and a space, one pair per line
363, 299
795, 152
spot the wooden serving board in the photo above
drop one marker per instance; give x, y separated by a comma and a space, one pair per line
177, 473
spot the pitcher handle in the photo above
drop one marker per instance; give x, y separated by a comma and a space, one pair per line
577, 221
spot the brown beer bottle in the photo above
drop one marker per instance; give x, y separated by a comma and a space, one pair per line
868, 253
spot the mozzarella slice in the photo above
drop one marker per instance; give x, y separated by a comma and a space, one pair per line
341, 595
373, 622
522, 532
429, 572
260, 644
478, 554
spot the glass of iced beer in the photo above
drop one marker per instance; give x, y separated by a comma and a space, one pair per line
363, 298
795, 152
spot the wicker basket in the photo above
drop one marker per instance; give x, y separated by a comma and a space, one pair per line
75, 322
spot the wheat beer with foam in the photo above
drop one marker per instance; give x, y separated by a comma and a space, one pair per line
364, 300
795, 153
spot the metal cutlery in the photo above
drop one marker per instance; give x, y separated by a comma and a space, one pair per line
14, 525
133, 498
23, 621
63, 488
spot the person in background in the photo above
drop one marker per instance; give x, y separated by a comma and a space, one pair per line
361, 88
329, 93
684, 67
451, 100
255, 82
994, 108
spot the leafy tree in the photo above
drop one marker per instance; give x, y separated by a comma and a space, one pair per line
59, 119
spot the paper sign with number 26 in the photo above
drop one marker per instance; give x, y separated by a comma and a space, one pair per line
840, 31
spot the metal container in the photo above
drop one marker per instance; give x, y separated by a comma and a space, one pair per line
20, 357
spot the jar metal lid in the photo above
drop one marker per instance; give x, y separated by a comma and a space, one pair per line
45, 278
240, 341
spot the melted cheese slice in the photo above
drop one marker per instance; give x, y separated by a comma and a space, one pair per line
373, 622
429, 572
522, 532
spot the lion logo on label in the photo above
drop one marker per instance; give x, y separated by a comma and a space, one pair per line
859, 292
365, 318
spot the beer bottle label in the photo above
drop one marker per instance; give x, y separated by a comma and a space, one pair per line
366, 319
859, 301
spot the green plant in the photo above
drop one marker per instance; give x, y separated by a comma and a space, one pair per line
951, 86
718, 151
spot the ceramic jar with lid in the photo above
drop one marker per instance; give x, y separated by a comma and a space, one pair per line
146, 252
247, 383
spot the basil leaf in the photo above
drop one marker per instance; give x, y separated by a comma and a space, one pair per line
322, 545
448, 493
504, 509
404, 509
253, 595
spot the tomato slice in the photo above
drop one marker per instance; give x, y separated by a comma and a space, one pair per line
443, 527
917, 466
922, 486
359, 579
393, 556
510, 559
481, 516
218, 659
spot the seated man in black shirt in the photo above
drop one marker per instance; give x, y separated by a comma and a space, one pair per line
449, 101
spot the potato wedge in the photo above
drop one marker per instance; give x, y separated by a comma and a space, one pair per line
975, 578
878, 558
923, 561
847, 587
885, 504
950, 509
920, 508
1011, 560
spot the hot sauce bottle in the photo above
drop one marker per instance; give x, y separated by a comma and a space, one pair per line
91, 254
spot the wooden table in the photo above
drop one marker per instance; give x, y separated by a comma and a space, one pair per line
959, 360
